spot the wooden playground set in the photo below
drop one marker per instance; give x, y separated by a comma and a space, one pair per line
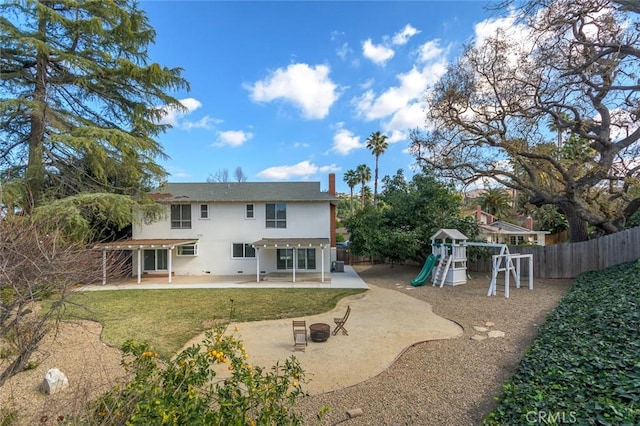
447, 263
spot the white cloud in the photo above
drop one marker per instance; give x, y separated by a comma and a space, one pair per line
397, 136
507, 25
412, 86
402, 37
206, 122
430, 51
232, 138
308, 88
367, 84
301, 145
343, 51
178, 173
172, 115
623, 123
303, 169
344, 141
379, 54
409, 117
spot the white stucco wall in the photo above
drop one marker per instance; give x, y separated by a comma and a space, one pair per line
227, 225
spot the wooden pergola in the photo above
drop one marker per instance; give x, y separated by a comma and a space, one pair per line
291, 243
138, 246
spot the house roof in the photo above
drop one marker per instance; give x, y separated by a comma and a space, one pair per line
145, 243
291, 242
452, 234
241, 192
500, 227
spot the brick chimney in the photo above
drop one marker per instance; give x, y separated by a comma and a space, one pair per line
528, 223
332, 209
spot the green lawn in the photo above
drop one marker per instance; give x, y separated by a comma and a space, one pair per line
167, 319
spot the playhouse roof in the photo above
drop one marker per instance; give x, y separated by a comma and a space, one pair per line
452, 234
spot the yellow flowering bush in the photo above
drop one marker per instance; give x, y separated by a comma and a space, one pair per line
185, 390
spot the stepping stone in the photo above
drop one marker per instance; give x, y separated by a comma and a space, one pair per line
480, 329
478, 337
489, 324
496, 333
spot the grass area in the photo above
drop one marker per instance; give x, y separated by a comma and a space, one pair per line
584, 365
167, 319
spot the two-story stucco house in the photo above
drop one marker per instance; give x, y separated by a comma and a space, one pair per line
248, 228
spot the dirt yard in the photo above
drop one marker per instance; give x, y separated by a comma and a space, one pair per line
451, 382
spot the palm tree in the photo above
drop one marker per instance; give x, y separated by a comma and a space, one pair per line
377, 143
364, 175
495, 201
351, 178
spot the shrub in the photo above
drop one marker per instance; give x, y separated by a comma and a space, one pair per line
584, 365
186, 390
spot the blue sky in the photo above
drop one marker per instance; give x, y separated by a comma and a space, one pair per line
291, 90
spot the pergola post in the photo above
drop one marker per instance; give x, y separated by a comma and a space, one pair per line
295, 255
139, 265
322, 263
257, 264
169, 252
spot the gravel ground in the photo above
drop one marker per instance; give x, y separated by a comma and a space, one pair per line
446, 382
90, 365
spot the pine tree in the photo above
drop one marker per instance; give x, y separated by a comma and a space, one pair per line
80, 102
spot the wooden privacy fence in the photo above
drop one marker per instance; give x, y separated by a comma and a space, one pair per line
571, 259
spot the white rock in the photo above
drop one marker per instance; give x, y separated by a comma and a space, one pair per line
496, 333
54, 381
481, 329
489, 323
478, 337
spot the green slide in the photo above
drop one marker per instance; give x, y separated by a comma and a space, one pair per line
426, 271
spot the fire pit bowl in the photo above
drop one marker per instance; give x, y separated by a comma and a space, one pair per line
319, 332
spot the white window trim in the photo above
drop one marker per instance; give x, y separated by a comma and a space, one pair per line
243, 252
208, 212
181, 222
195, 250
275, 220
254, 211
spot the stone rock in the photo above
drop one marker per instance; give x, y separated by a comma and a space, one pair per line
480, 329
496, 333
54, 381
478, 337
489, 324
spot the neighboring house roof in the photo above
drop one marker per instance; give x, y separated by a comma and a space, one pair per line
500, 227
145, 243
241, 192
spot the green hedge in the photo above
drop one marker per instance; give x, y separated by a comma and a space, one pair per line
584, 365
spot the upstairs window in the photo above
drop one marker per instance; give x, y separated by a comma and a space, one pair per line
276, 215
204, 211
181, 216
249, 211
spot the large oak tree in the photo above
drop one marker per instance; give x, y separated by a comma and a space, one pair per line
80, 102
577, 68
